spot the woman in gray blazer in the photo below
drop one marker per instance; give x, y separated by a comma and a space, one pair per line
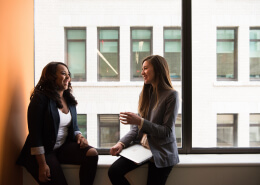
154, 127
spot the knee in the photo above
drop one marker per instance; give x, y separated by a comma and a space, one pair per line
92, 152
114, 172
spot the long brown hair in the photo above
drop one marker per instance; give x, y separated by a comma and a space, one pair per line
162, 82
47, 85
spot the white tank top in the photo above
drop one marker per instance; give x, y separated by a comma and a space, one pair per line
65, 121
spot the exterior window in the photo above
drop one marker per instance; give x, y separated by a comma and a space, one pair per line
172, 51
178, 130
254, 130
108, 130
82, 123
141, 47
76, 53
226, 54
226, 130
255, 54
108, 54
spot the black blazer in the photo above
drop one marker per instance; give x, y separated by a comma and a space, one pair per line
43, 125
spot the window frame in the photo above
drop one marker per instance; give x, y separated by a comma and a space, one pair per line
131, 48
187, 92
118, 49
85, 135
235, 40
100, 149
76, 40
253, 124
252, 40
172, 40
233, 125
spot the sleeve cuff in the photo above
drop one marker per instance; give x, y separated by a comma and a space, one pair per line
122, 144
76, 133
37, 150
141, 125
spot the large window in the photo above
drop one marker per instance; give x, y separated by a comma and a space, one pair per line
108, 130
172, 51
218, 48
108, 54
226, 130
76, 53
254, 130
141, 47
82, 123
226, 54
255, 53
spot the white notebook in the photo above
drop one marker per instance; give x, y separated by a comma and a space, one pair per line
137, 153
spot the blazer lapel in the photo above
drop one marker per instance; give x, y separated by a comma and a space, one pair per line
55, 116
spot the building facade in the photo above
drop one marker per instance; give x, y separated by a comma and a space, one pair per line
103, 43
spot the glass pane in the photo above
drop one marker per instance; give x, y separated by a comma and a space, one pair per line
225, 119
225, 47
172, 34
225, 59
255, 34
225, 34
174, 63
254, 118
108, 47
76, 34
82, 123
225, 136
141, 34
76, 60
137, 63
255, 60
108, 65
108, 34
141, 46
173, 47
109, 130
255, 136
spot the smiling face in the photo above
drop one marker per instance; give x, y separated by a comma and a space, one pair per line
63, 77
148, 73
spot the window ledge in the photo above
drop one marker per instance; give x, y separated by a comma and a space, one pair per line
115, 84
195, 160
236, 84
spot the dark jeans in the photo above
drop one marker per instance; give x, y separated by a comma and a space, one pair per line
68, 153
117, 171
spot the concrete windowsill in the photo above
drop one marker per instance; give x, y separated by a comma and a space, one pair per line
196, 160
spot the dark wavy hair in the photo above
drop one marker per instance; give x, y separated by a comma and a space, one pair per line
47, 85
162, 82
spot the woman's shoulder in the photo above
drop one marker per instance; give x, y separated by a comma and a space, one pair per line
39, 97
170, 92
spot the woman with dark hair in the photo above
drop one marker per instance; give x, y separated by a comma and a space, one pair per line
154, 127
54, 136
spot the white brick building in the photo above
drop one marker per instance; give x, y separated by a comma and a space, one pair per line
210, 96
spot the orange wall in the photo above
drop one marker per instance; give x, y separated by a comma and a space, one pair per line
16, 82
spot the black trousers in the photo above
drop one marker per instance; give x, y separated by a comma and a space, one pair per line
156, 176
68, 153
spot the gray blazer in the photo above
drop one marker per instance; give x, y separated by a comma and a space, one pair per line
160, 129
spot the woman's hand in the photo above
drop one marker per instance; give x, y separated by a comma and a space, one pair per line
116, 149
129, 118
44, 173
83, 143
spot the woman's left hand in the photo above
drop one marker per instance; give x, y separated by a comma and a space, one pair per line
129, 118
83, 143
